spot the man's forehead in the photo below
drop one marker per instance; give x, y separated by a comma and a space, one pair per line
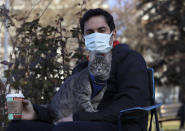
95, 22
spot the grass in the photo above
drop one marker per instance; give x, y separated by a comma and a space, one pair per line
169, 126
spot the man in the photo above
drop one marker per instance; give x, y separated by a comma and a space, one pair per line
127, 85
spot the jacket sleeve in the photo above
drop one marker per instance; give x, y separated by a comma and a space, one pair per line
132, 84
43, 113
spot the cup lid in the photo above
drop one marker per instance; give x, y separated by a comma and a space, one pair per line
15, 95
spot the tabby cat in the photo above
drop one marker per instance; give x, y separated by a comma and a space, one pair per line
75, 93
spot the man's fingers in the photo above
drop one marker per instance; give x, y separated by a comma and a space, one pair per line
27, 105
25, 102
6, 107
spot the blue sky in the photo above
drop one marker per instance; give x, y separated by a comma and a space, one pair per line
111, 3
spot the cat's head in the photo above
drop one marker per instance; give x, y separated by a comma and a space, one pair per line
100, 65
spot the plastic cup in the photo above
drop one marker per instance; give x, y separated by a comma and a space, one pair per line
15, 106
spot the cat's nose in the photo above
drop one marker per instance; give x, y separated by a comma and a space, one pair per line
99, 70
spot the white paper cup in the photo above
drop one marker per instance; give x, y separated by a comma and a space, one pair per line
15, 106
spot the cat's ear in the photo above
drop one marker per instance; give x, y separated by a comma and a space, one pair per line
108, 56
91, 56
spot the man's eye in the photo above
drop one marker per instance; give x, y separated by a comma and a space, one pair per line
88, 33
101, 31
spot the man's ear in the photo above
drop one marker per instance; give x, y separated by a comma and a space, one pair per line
114, 36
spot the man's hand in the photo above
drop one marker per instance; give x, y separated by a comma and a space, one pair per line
28, 111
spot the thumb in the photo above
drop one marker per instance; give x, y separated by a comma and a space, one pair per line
26, 102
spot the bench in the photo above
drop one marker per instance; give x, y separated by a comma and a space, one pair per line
168, 112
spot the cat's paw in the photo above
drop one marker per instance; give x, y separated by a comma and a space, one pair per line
92, 110
57, 121
95, 110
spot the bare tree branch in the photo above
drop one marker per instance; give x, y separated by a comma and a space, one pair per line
46, 8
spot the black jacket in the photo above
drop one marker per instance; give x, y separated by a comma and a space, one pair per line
127, 87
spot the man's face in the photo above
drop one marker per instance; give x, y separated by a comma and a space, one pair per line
98, 24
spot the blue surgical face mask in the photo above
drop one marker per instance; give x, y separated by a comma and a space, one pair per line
98, 42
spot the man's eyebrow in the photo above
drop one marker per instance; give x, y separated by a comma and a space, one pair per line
89, 30
103, 27
99, 28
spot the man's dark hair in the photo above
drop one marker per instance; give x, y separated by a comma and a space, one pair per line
97, 12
